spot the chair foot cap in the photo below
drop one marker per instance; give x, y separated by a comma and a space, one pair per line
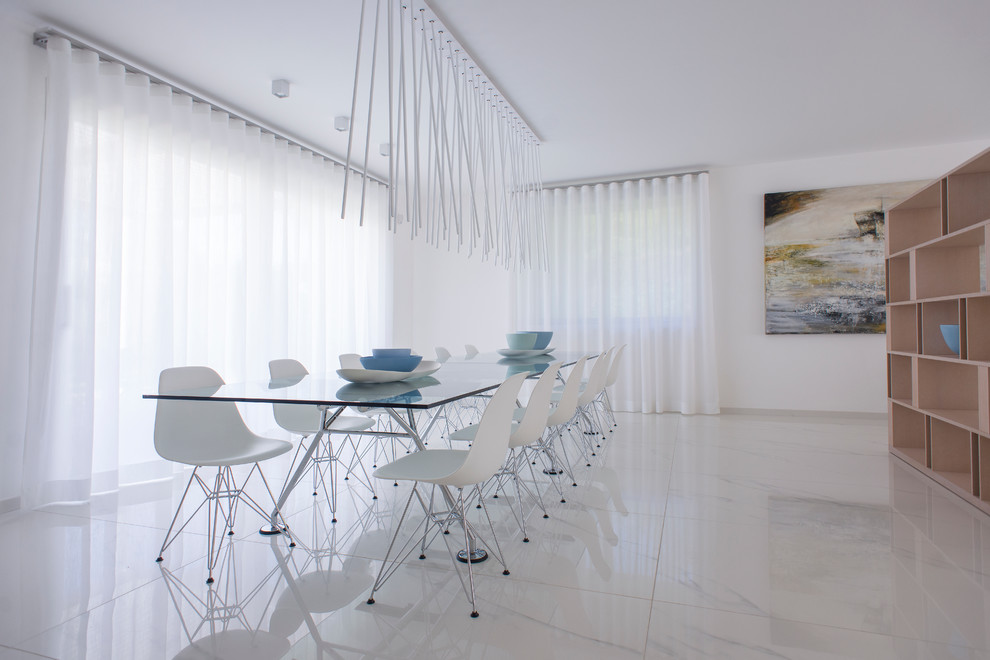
334, 520
505, 572
160, 559
370, 601
563, 501
422, 556
474, 615
545, 516
230, 533
374, 497
526, 539
209, 580
292, 544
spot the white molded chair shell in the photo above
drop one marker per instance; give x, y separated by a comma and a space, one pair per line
567, 405
613, 370
206, 432
596, 380
350, 361
534, 420
442, 354
470, 350
529, 421
459, 467
304, 419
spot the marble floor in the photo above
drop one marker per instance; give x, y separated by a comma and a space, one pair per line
736, 536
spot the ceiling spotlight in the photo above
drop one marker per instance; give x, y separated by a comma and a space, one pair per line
280, 88
342, 123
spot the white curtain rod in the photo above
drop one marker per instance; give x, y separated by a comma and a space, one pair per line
639, 177
41, 39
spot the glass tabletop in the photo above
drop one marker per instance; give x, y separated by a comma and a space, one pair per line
457, 379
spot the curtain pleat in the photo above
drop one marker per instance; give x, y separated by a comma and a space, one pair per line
172, 234
630, 264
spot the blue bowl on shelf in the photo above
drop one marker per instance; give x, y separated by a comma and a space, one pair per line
542, 338
950, 333
407, 363
391, 352
521, 341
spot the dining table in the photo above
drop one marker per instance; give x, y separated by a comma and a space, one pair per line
458, 378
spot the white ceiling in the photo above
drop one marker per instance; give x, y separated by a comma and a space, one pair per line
612, 88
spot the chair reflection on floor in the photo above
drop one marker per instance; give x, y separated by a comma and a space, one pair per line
226, 623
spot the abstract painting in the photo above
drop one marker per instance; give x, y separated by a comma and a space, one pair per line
824, 258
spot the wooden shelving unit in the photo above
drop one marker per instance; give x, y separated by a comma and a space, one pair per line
938, 400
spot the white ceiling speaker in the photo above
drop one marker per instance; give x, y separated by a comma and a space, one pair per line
341, 123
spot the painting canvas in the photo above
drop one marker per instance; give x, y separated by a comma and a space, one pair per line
824, 258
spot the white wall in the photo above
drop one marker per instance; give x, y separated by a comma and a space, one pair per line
797, 372
21, 123
456, 300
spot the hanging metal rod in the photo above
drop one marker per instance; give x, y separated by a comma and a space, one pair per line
41, 39
477, 62
638, 177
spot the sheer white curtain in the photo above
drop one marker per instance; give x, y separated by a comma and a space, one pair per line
630, 264
172, 234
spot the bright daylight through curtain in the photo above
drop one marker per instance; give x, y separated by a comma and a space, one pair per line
172, 234
630, 264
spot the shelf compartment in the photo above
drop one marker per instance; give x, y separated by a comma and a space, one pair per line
950, 390
952, 454
917, 219
968, 194
978, 329
909, 433
982, 461
934, 315
951, 267
899, 279
902, 328
900, 378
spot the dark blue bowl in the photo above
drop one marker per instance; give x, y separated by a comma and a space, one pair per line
542, 338
391, 352
407, 363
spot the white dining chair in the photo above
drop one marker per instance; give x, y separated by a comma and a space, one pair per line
470, 351
442, 354
458, 469
384, 422
586, 410
562, 412
524, 443
208, 434
613, 375
305, 421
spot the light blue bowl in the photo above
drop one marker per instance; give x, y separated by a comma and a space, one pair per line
521, 341
950, 333
542, 338
391, 352
407, 363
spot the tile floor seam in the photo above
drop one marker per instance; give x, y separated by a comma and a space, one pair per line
663, 526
